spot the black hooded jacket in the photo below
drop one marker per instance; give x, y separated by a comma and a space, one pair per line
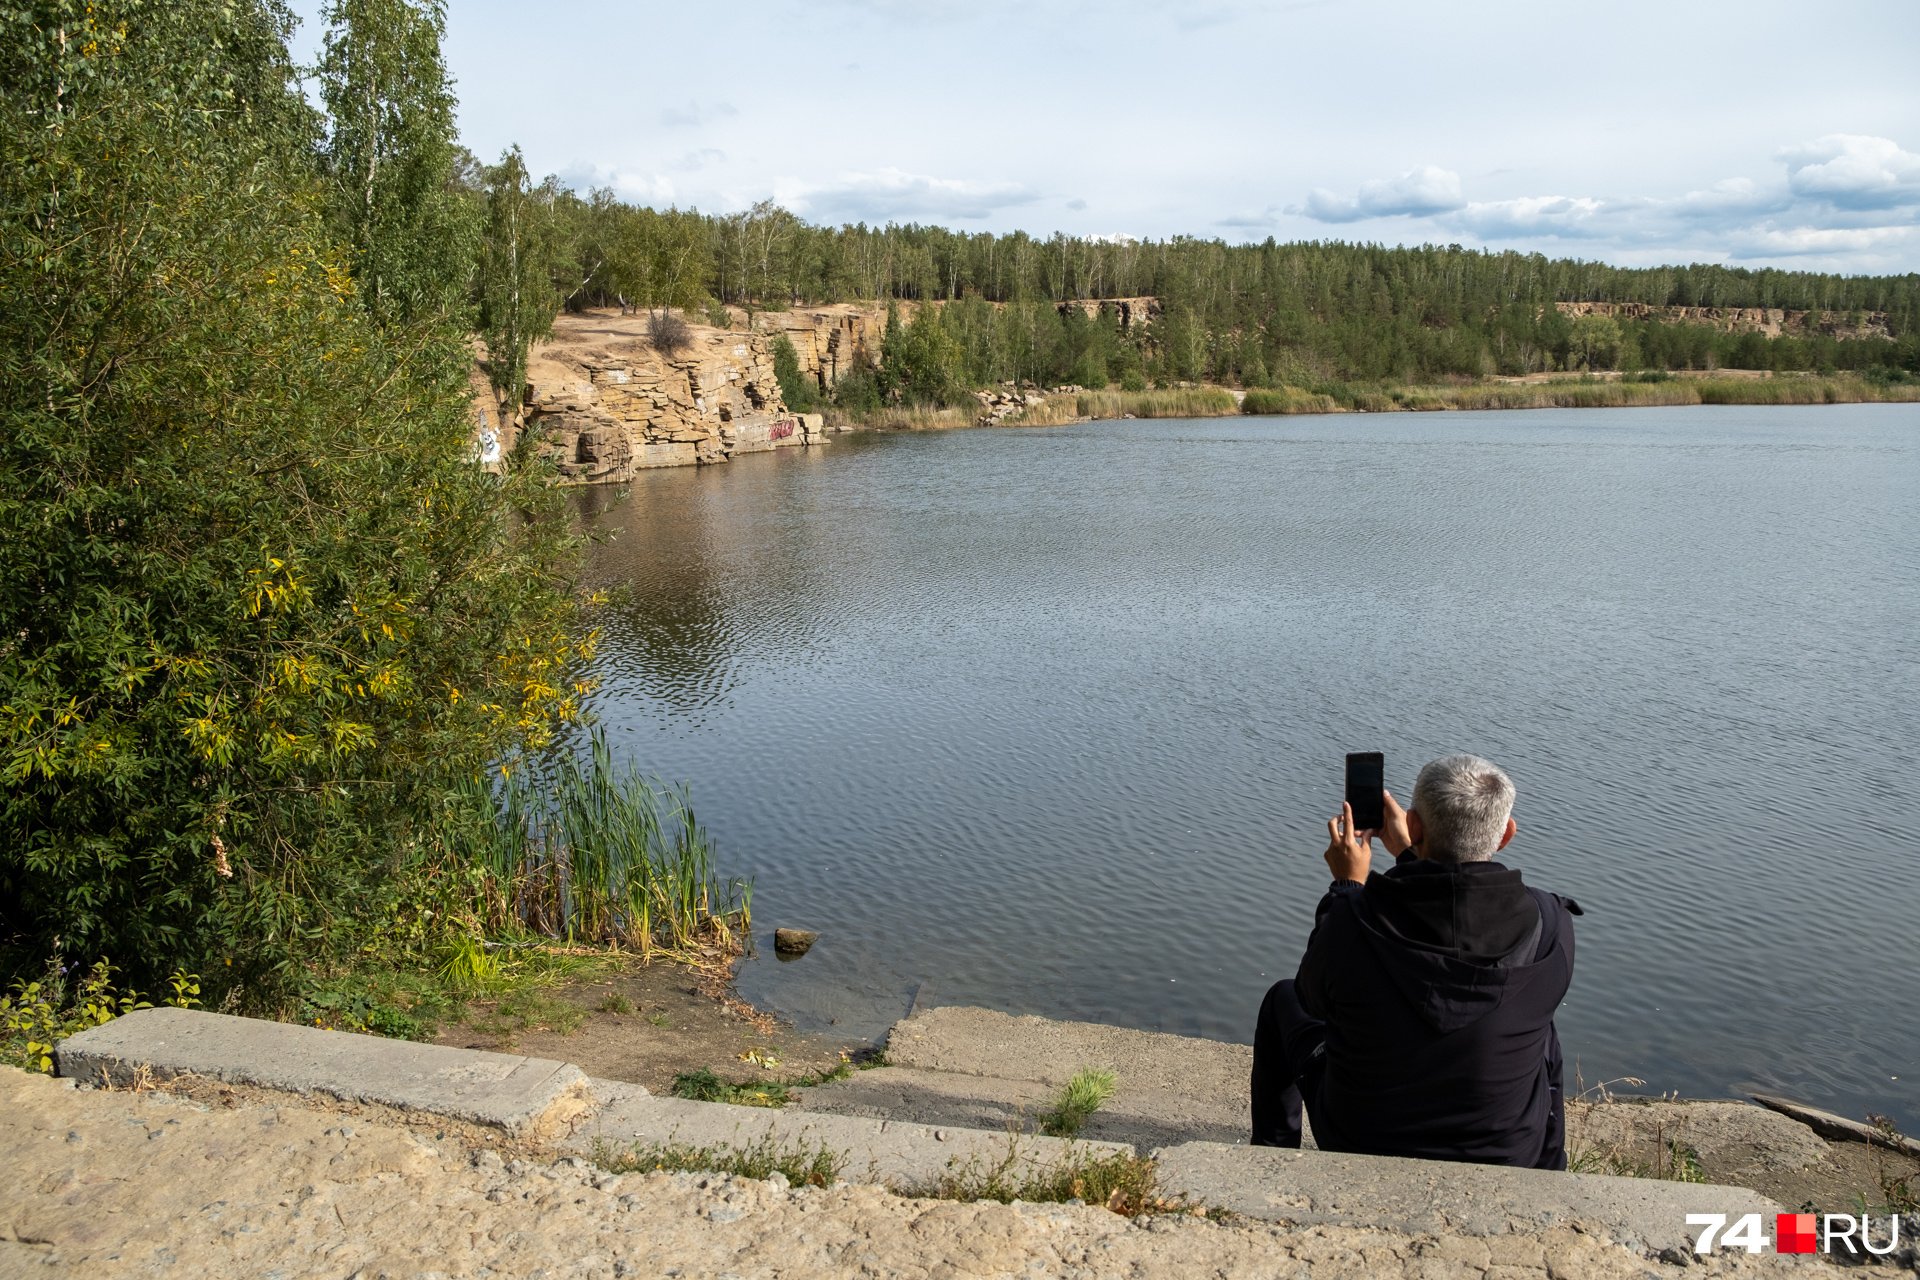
1438, 985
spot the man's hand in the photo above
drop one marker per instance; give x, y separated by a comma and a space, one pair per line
1393, 825
1349, 852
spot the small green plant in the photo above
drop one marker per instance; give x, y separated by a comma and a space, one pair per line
36, 1016
1083, 1095
658, 1019
1124, 1183
1899, 1192
704, 1086
614, 1002
468, 967
801, 1165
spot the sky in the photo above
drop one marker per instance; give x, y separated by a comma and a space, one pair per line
1754, 133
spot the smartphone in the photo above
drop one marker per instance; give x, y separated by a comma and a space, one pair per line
1366, 779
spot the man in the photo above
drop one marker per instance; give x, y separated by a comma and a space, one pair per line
1421, 1021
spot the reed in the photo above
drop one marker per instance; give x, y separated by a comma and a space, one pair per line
1270, 400
584, 851
1053, 411
1164, 402
1582, 393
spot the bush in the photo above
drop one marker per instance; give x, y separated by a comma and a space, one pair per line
857, 392
261, 610
796, 388
37, 1016
668, 333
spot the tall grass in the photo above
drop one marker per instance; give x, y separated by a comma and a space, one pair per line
1165, 402
587, 852
1580, 393
1264, 400
1050, 412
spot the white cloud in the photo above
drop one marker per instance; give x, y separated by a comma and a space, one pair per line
1854, 171
653, 189
1529, 216
1844, 200
889, 194
1771, 242
1417, 193
694, 114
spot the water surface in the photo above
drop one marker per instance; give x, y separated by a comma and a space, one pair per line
1050, 720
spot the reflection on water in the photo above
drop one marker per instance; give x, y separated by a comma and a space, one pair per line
1048, 719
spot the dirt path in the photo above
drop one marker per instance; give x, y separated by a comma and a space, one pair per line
147, 1184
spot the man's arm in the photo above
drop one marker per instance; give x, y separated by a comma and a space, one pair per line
1349, 856
1313, 984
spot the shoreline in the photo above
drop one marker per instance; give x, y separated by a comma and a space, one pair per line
1593, 391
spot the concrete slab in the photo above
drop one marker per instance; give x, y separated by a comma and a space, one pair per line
1312, 1187
1140, 1116
1169, 1088
903, 1155
525, 1096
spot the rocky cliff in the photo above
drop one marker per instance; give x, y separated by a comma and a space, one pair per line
603, 403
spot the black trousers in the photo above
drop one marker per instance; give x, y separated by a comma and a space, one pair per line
1289, 1054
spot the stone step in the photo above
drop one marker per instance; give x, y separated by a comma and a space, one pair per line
1141, 1116
1308, 1188
531, 1097
898, 1152
1168, 1088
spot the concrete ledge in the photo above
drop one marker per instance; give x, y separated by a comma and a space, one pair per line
524, 1096
1415, 1196
901, 1155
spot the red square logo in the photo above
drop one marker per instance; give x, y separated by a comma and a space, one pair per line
1793, 1233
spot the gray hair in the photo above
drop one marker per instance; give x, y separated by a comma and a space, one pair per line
1464, 803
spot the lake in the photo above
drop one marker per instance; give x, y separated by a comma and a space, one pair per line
1051, 720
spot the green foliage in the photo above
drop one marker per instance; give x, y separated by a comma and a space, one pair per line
519, 256
468, 967
1079, 1098
390, 156
576, 848
703, 1085
800, 1164
857, 392
260, 608
796, 388
36, 1016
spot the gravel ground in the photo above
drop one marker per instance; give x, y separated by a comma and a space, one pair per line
109, 1184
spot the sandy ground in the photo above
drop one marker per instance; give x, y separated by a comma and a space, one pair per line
112, 1184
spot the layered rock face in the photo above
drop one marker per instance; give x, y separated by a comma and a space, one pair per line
604, 403
831, 340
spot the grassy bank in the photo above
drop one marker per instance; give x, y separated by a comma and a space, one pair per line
1574, 392
1583, 393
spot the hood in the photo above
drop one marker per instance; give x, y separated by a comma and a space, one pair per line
1459, 941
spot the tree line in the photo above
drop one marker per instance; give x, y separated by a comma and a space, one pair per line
1254, 315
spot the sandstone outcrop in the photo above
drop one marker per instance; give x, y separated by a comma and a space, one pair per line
603, 403
830, 340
